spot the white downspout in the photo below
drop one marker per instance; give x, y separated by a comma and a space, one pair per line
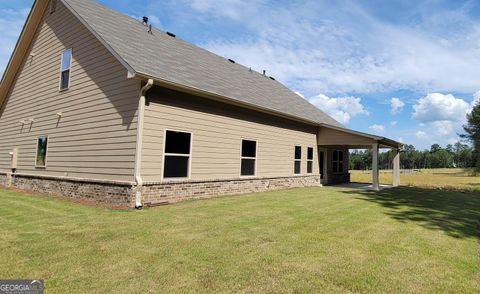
138, 153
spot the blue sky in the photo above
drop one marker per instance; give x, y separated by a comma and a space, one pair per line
408, 70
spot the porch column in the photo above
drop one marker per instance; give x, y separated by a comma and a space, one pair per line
375, 182
396, 167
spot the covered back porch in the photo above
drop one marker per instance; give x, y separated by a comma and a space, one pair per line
334, 144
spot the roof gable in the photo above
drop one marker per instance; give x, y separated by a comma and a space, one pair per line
171, 59
24, 42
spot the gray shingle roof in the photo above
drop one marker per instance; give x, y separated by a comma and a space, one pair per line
172, 59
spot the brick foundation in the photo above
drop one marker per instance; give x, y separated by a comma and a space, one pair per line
3, 179
171, 192
108, 192
123, 193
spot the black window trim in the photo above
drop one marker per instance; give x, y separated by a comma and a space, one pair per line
164, 154
69, 70
338, 161
247, 157
46, 152
310, 160
295, 160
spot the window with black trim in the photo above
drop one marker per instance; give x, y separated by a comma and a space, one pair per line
249, 158
41, 157
297, 166
337, 161
65, 69
177, 154
309, 160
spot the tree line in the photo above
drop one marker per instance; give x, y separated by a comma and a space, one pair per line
458, 155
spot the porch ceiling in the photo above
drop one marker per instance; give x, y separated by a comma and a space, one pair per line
335, 136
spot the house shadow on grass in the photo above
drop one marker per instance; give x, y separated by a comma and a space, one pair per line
455, 213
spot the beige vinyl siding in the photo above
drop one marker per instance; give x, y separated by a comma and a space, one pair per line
327, 136
217, 130
95, 137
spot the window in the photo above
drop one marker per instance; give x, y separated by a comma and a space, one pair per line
309, 160
249, 157
177, 154
41, 158
65, 70
297, 166
53, 6
337, 161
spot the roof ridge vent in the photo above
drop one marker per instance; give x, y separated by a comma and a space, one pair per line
171, 34
231, 60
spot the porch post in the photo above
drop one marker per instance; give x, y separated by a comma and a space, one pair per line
375, 182
396, 167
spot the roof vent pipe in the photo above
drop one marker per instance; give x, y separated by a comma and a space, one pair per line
150, 29
264, 72
145, 20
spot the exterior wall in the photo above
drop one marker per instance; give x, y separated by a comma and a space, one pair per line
178, 191
96, 134
217, 130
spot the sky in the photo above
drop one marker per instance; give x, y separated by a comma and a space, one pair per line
406, 70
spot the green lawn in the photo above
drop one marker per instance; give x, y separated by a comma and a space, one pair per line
448, 178
303, 240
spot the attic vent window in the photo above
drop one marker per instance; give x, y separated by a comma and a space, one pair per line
53, 6
171, 35
231, 60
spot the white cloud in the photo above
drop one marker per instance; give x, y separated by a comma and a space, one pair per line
234, 9
377, 128
346, 48
441, 116
396, 105
421, 135
476, 98
440, 107
443, 127
400, 139
342, 108
393, 123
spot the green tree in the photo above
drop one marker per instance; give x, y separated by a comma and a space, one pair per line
472, 130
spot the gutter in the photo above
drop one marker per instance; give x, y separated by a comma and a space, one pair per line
139, 145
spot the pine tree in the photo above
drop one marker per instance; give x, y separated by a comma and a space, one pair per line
472, 129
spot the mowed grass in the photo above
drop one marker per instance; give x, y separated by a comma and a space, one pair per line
449, 178
327, 239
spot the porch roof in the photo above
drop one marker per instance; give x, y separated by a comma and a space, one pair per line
336, 136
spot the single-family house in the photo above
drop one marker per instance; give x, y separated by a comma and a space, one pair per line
96, 104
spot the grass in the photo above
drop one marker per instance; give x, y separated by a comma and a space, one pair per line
303, 240
452, 178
